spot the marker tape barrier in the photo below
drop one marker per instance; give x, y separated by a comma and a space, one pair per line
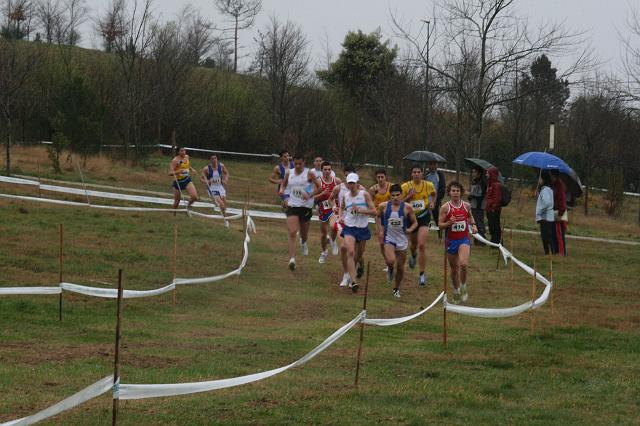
90, 392
112, 293
396, 321
157, 390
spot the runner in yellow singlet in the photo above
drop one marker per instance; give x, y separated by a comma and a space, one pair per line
422, 196
180, 170
380, 193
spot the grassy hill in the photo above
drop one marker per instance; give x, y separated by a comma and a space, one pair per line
578, 367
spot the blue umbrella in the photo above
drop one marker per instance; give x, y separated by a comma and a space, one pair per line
543, 161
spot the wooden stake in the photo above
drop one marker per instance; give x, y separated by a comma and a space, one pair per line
116, 367
364, 308
533, 294
444, 311
175, 260
501, 242
511, 250
553, 308
60, 270
39, 182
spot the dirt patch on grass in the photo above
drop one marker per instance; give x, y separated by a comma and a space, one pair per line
37, 353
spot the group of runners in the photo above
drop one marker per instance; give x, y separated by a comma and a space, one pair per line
402, 215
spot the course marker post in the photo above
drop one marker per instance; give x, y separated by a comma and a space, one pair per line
553, 308
444, 290
511, 250
364, 308
60, 270
533, 295
116, 366
39, 181
174, 264
501, 242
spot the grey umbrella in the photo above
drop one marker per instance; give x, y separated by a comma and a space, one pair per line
425, 157
478, 162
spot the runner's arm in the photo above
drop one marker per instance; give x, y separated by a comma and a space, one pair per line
412, 219
172, 167
472, 220
275, 177
203, 175
379, 216
371, 210
225, 175
284, 183
443, 223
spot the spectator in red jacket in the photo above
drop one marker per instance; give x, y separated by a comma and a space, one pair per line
493, 205
560, 208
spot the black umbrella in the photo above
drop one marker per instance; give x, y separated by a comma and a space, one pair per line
572, 181
425, 157
478, 162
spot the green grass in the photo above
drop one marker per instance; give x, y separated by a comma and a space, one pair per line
578, 367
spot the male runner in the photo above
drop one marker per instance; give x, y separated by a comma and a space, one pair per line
328, 218
180, 169
392, 219
301, 184
455, 218
216, 177
380, 193
421, 195
317, 167
355, 207
277, 175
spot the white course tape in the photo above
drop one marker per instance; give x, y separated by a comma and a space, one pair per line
81, 397
396, 321
6, 291
158, 390
112, 293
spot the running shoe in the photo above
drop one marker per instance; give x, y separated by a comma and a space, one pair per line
226, 223
422, 281
396, 293
456, 297
354, 287
334, 248
346, 280
412, 261
305, 249
464, 294
323, 257
385, 269
389, 275
360, 270
292, 264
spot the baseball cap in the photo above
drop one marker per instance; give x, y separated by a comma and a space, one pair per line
352, 178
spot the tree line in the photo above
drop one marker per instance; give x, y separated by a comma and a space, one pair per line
473, 80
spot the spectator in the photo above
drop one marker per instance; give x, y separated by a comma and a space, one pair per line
544, 213
493, 204
560, 211
476, 199
437, 178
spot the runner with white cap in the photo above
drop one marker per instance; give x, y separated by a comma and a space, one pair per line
356, 207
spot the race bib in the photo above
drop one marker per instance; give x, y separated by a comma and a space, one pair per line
395, 223
215, 181
325, 205
184, 172
459, 226
352, 211
297, 192
418, 205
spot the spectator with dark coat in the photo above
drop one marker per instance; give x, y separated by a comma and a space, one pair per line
493, 204
476, 199
560, 209
544, 213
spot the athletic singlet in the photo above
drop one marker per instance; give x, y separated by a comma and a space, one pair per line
214, 177
283, 172
460, 227
323, 202
420, 200
395, 225
183, 171
297, 186
380, 198
351, 217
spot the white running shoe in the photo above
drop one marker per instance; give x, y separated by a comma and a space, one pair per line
305, 249
396, 293
464, 294
385, 269
346, 280
292, 264
323, 257
334, 248
456, 296
226, 223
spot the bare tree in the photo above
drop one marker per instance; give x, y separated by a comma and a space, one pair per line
199, 38
490, 33
16, 19
47, 16
283, 53
74, 14
631, 58
242, 14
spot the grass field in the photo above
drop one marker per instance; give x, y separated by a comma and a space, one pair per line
580, 366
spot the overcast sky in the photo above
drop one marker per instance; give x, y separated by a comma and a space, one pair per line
329, 20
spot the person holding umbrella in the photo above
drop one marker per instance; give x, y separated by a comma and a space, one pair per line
544, 213
560, 210
476, 198
493, 204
